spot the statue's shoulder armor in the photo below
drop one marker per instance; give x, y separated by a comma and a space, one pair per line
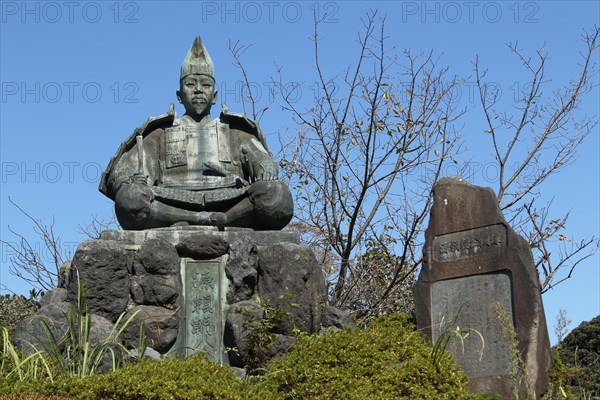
242, 123
151, 124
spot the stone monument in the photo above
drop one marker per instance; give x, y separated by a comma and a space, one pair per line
203, 250
479, 276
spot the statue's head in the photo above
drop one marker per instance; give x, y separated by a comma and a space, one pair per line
197, 82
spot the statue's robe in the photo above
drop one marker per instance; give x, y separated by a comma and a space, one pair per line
206, 166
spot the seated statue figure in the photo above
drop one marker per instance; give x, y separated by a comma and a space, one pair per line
197, 170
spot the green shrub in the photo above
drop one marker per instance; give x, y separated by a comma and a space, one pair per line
190, 378
13, 308
22, 366
557, 388
73, 353
580, 352
388, 360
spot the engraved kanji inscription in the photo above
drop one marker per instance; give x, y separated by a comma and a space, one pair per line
471, 303
204, 330
460, 245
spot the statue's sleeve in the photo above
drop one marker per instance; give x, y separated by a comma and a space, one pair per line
128, 165
258, 163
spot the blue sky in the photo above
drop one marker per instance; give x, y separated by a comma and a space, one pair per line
78, 77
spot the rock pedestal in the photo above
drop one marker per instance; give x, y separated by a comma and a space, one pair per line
479, 275
190, 288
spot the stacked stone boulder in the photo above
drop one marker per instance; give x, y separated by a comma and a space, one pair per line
137, 274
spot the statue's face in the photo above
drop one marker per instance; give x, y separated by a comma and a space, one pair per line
197, 94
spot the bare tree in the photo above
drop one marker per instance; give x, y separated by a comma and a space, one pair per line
531, 144
365, 160
96, 226
237, 50
38, 260
37, 263
375, 141
562, 325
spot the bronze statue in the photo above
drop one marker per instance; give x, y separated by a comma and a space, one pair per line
197, 170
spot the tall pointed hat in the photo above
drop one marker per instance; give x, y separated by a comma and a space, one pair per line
197, 61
